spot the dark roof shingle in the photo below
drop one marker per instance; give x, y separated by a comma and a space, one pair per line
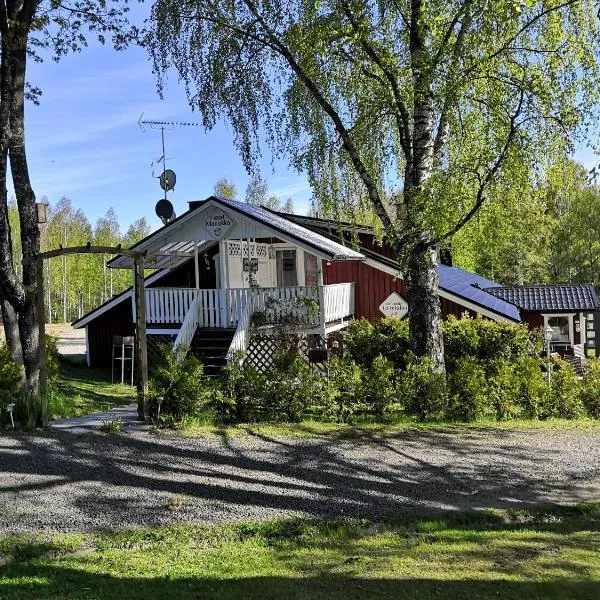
576, 296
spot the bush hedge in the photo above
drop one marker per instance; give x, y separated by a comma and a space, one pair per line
492, 373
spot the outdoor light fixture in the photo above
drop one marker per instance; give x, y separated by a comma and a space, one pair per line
42, 216
206, 261
335, 344
10, 408
159, 402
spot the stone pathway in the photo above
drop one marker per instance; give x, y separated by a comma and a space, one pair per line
93, 422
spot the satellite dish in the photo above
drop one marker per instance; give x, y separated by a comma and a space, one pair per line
164, 211
167, 180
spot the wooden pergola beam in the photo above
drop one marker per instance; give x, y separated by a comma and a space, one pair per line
139, 299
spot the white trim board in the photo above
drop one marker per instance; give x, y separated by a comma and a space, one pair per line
474, 307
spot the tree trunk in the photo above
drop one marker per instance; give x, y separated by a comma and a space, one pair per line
425, 313
30, 234
11, 331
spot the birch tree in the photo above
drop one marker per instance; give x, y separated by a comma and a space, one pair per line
438, 97
32, 29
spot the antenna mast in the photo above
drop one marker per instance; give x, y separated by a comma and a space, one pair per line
164, 209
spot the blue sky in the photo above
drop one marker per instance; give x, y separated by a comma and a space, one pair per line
83, 141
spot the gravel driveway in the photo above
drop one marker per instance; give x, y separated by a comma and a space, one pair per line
65, 482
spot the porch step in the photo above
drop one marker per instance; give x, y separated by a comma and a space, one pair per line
576, 363
210, 346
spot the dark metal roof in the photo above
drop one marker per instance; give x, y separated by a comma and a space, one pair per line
288, 228
332, 249
552, 297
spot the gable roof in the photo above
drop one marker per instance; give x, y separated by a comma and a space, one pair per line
276, 224
557, 297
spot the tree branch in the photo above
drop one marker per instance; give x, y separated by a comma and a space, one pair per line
491, 173
326, 106
402, 120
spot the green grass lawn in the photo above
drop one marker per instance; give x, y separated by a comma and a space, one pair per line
80, 390
546, 554
201, 427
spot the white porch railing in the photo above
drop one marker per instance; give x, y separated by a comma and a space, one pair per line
241, 338
338, 301
168, 305
185, 336
222, 308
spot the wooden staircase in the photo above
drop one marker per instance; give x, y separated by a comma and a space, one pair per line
210, 345
576, 363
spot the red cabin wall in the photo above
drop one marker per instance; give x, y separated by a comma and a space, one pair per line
374, 286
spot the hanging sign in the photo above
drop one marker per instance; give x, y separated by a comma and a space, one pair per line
218, 223
394, 306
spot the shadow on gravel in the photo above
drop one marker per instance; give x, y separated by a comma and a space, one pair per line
221, 478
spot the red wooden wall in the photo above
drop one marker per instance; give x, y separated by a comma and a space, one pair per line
374, 286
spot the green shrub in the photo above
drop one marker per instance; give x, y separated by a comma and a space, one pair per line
565, 398
590, 389
461, 339
181, 384
478, 338
341, 391
380, 389
112, 425
11, 377
365, 341
421, 390
486, 340
468, 391
52, 357
505, 389
534, 392
293, 388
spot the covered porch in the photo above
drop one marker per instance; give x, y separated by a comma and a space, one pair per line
331, 306
226, 264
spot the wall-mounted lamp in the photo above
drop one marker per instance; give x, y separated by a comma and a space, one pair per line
42, 212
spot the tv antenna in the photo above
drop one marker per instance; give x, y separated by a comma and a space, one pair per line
167, 179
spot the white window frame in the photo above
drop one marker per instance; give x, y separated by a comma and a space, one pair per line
571, 317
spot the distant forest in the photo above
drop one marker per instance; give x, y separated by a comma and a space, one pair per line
73, 285
543, 229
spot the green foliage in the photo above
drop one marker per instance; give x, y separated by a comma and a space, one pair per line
293, 387
423, 391
468, 391
52, 358
565, 397
342, 392
486, 340
180, 383
505, 389
535, 393
381, 389
11, 377
365, 341
112, 425
590, 392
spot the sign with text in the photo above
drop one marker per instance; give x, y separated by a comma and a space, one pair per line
394, 306
218, 223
